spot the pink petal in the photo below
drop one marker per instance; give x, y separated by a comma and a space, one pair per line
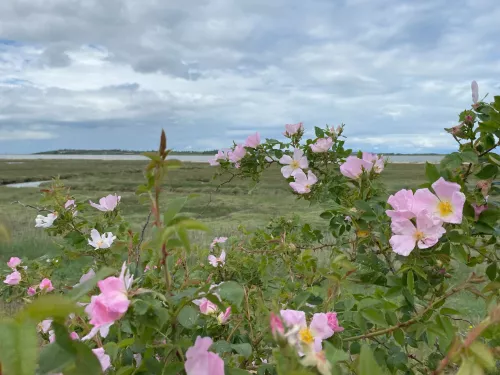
320, 327
404, 227
402, 244
294, 318
444, 189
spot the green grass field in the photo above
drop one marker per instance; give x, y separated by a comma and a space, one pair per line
223, 210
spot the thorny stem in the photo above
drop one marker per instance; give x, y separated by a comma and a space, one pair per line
466, 284
138, 247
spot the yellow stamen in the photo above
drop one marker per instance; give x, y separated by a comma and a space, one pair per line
445, 208
99, 243
419, 235
363, 233
295, 164
306, 336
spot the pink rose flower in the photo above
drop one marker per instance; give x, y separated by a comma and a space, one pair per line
353, 167
295, 164
74, 336
217, 240
237, 154
220, 155
447, 204
70, 203
109, 306
292, 129
402, 204
253, 140
13, 279
276, 324
107, 203
14, 262
206, 306
475, 92
426, 234
46, 285
224, 316
303, 183
376, 160
333, 322
214, 261
478, 210
99, 241
199, 361
31, 291
322, 145
103, 358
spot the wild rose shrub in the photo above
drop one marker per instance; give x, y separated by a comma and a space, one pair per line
371, 295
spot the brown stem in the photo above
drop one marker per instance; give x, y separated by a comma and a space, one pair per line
416, 318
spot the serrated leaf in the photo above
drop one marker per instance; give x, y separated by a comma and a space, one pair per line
244, 349
187, 317
233, 292
374, 316
488, 171
431, 172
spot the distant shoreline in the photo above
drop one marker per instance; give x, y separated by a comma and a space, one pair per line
194, 153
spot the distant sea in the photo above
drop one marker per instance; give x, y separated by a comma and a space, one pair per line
196, 158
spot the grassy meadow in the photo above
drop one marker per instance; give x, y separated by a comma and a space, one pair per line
222, 210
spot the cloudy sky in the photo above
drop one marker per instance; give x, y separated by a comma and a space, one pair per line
111, 73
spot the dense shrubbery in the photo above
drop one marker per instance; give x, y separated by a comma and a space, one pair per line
369, 296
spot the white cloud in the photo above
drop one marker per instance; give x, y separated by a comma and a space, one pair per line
211, 70
17, 135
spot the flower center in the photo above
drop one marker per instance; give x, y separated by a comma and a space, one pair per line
419, 235
306, 336
445, 208
295, 164
99, 243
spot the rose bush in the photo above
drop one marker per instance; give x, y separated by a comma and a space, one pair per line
372, 294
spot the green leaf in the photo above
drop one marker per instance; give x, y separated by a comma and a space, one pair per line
488, 171
187, 317
54, 359
244, 349
86, 362
367, 363
333, 354
235, 371
184, 237
140, 307
174, 207
55, 306
469, 156
173, 368
266, 369
233, 292
193, 225
300, 299
431, 172
399, 336
18, 347
375, 316
449, 311
494, 158
88, 285
221, 347
319, 132
491, 271
410, 282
